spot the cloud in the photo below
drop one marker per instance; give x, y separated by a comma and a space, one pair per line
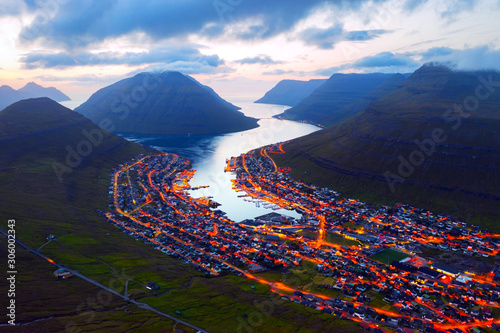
436, 52
363, 35
282, 72
261, 59
80, 23
329, 71
77, 24
159, 55
80, 78
385, 59
328, 37
73, 33
185, 67
323, 38
411, 5
83, 80
477, 58
11, 7
455, 7
448, 9
48, 60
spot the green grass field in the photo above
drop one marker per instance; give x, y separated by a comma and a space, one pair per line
69, 304
388, 255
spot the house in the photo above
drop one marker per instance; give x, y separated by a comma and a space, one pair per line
61, 273
403, 267
152, 286
428, 272
496, 273
462, 279
274, 218
313, 222
445, 269
254, 268
272, 238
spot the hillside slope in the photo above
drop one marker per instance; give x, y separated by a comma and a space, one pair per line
290, 92
39, 128
341, 96
166, 103
36, 135
413, 145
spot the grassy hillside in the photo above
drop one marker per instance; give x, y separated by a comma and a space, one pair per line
458, 174
290, 92
342, 96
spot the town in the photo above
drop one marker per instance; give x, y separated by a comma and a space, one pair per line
385, 265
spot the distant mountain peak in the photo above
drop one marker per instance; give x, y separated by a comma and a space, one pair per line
32, 85
168, 103
290, 92
8, 95
9, 88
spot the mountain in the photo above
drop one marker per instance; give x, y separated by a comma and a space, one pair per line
361, 104
166, 103
290, 92
9, 95
341, 96
33, 90
418, 144
41, 129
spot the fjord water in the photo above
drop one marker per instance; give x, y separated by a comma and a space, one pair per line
209, 154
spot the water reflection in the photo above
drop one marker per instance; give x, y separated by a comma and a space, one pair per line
209, 154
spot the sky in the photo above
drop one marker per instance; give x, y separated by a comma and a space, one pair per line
238, 47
